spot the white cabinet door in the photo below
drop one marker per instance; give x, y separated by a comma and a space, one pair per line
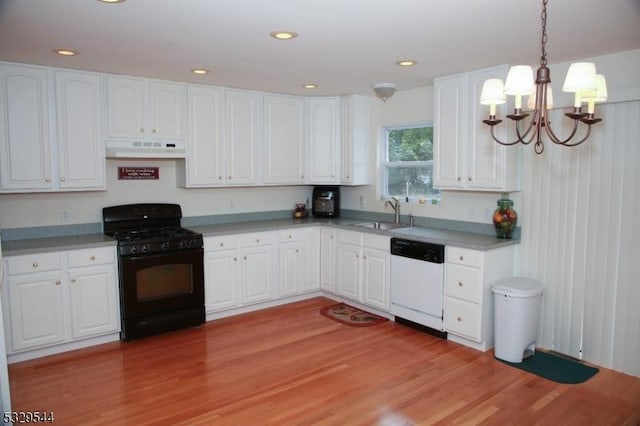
257, 274
93, 295
348, 270
79, 109
24, 129
242, 137
36, 306
448, 141
328, 260
125, 107
222, 279
204, 163
283, 139
324, 139
166, 110
376, 277
310, 260
356, 140
290, 267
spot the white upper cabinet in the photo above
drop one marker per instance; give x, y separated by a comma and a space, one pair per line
145, 109
283, 125
24, 129
323, 130
356, 140
204, 165
242, 137
465, 155
80, 139
50, 130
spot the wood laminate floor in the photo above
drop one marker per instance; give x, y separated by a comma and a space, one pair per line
291, 366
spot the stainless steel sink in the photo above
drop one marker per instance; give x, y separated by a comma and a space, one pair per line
382, 225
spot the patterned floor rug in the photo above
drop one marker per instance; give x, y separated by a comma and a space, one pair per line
351, 316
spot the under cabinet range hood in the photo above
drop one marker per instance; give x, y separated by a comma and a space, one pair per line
117, 148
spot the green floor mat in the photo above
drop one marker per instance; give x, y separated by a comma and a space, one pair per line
554, 367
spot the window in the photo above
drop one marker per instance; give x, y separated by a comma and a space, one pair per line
408, 163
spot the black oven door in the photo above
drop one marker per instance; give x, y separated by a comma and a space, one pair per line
164, 282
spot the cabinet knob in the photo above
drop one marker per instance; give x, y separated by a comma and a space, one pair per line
73, 280
257, 240
459, 178
221, 244
469, 178
357, 256
245, 258
302, 177
459, 318
364, 257
62, 179
289, 236
34, 264
154, 131
461, 258
235, 259
460, 284
141, 130
92, 258
228, 177
58, 282
220, 177
47, 180
297, 250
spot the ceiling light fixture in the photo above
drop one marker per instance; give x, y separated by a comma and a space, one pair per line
384, 90
112, 1
283, 35
406, 63
66, 52
200, 71
310, 86
581, 79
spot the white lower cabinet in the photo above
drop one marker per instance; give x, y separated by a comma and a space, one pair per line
363, 268
60, 297
328, 259
468, 304
239, 270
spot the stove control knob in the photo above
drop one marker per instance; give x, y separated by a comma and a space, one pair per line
165, 246
134, 249
145, 248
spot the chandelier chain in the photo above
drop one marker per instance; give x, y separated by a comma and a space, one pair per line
543, 16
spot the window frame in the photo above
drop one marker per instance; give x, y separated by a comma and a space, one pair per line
385, 164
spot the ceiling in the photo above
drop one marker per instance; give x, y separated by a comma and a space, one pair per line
344, 46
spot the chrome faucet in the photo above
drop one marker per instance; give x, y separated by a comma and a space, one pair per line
395, 205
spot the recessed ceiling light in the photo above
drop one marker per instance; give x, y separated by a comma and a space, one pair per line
284, 35
200, 71
406, 63
310, 86
66, 52
112, 1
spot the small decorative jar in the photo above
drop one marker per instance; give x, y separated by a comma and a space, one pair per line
505, 218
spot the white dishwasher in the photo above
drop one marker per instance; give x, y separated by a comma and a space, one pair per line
417, 283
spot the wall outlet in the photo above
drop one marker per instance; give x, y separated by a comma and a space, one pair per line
65, 215
363, 202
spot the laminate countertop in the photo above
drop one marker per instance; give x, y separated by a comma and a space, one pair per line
439, 236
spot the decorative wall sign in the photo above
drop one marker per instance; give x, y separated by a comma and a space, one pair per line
138, 173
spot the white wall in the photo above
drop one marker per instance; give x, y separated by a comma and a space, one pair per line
27, 210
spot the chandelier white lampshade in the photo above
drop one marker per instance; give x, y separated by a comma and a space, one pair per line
493, 94
590, 97
581, 79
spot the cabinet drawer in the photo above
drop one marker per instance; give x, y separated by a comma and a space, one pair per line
350, 237
256, 239
89, 257
225, 242
29, 263
464, 283
462, 318
285, 236
462, 256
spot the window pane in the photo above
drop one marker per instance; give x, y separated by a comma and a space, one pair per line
411, 144
416, 179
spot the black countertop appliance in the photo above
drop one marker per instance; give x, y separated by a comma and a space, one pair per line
326, 201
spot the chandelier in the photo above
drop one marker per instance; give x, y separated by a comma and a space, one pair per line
581, 79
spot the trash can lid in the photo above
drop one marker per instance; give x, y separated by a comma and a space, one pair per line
518, 287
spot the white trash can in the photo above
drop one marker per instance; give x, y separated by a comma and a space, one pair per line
516, 313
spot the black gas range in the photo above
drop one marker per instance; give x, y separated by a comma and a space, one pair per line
161, 269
